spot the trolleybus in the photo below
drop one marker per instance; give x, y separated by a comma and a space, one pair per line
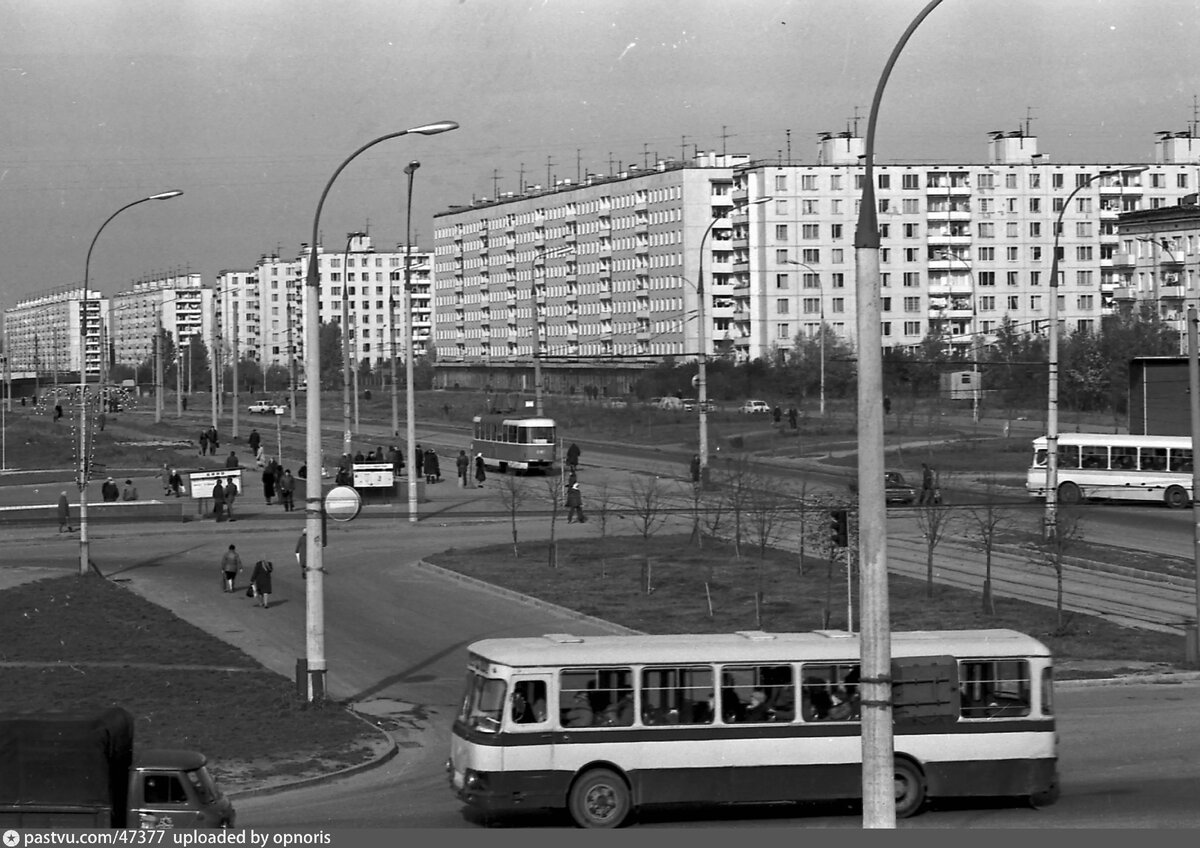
510, 441
1116, 467
603, 725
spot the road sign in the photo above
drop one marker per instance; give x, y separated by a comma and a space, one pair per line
342, 503
373, 475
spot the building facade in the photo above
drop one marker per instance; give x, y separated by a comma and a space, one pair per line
612, 266
48, 335
177, 304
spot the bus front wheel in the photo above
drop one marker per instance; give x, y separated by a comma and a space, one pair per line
1069, 494
910, 788
599, 798
1176, 497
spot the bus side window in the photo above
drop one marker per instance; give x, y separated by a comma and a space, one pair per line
1181, 460
994, 688
1154, 459
1068, 456
1095, 457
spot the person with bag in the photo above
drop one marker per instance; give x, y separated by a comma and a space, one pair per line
231, 564
231, 492
260, 581
574, 504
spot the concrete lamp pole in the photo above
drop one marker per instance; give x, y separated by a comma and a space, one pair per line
878, 772
346, 432
821, 337
410, 412
84, 470
313, 508
702, 341
1050, 521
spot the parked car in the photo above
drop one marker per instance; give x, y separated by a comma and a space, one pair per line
896, 489
670, 402
755, 406
267, 407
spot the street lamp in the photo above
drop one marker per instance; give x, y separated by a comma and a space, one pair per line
84, 470
410, 421
346, 434
821, 337
1050, 523
314, 587
878, 769
702, 361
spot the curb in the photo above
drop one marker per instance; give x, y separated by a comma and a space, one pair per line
392, 750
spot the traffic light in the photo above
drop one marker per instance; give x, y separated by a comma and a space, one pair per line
839, 527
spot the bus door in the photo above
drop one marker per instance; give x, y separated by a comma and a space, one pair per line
527, 726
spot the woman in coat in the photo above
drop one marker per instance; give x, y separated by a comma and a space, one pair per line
260, 578
480, 471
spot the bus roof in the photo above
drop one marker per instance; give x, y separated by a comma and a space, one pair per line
1118, 440
560, 649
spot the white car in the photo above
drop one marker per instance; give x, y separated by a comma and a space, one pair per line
753, 406
267, 407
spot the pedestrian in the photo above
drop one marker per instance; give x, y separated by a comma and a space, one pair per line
793, 416
166, 480
176, 483
433, 471
345, 474
260, 579
358, 457
254, 440
185, 404
260, 457
420, 460
573, 456
302, 553
397, 460
64, 514
480, 471
287, 490
777, 414
695, 468
218, 497
927, 493
102, 419
231, 564
574, 504
129, 493
268, 483
463, 464
57, 412
231, 492
213, 441
203, 442
109, 491
231, 461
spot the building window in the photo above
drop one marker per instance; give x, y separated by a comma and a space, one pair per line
838, 304
1158, 181
885, 181
885, 304
812, 305
781, 257
812, 281
987, 278
912, 230
839, 280
835, 232
812, 255
810, 232
912, 280
837, 256
1083, 253
781, 281
911, 206
1013, 302
912, 304
987, 230
986, 254
810, 207
1083, 279
1013, 278
1010, 180
1035, 180
987, 303
1085, 302
1083, 229
1181, 181
1013, 254
781, 232
912, 254
808, 182
1082, 179
1056, 180
910, 182
782, 331
912, 328
781, 182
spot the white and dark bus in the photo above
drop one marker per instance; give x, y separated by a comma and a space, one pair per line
603, 725
510, 441
1101, 466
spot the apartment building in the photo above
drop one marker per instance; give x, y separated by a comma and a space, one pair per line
263, 311
611, 266
51, 334
177, 304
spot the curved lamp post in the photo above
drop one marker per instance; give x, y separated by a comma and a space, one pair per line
878, 785
313, 511
821, 337
84, 471
1050, 521
347, 450
410, 420
702, 361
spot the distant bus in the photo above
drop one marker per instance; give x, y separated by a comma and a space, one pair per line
1094, 466
510, 441
602, 725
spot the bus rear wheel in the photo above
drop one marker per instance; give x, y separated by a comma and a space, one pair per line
910, 788
1069, 494
599, 798
1176, 497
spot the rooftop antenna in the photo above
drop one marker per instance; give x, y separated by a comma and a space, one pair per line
1028, 120
367, 228
521, 180
724, 138
788, 133
645, 157
855, 119
578, 165
1194, 123
683, 139
495, 184
549, 162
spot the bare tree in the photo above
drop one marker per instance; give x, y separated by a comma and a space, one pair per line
513, 495
934, 521
554, 490
984, 524
738, 483
695, 494
601, 503
646, 505
1053, 552
765, 512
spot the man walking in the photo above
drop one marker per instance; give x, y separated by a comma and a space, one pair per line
927, 487
231, 492
218, 496
231, 564
64, 514
463, 464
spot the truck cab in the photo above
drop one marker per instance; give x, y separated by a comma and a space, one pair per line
174, 789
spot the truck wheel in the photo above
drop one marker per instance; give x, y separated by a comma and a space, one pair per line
910, 788
1069, 494
1176, 497
600, 799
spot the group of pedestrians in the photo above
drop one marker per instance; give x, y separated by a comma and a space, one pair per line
465, 464
209, 441
223, 498
260, 577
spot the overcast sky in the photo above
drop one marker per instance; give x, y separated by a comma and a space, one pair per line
248, 106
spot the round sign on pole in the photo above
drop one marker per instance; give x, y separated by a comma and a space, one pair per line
342, 503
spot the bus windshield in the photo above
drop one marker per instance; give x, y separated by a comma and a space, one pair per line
537, 435
484, 702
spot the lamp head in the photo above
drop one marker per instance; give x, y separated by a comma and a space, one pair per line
166, 195
434, 128
411, 166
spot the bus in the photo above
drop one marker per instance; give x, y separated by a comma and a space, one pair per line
604, 725
510, 441
1116, 467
